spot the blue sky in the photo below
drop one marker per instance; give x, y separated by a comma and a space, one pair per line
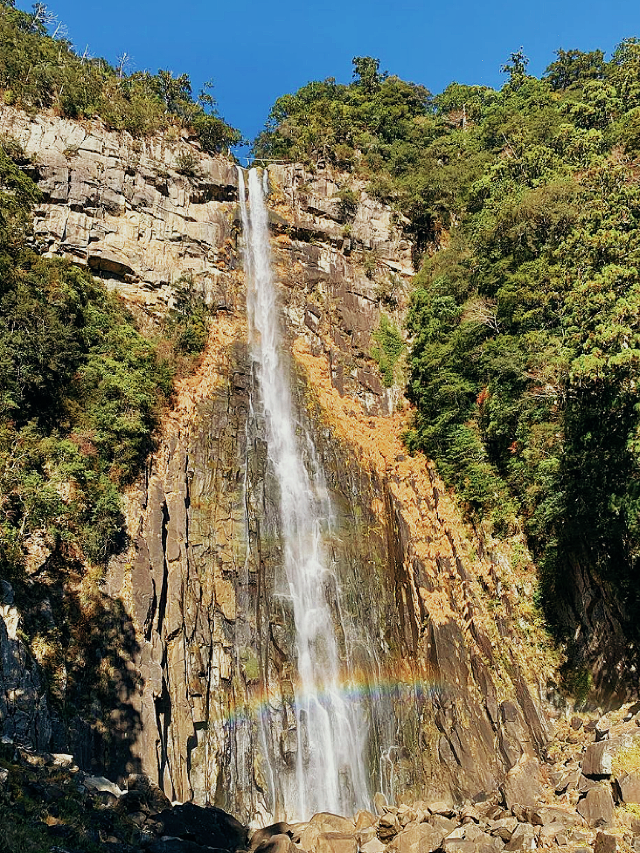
255, 52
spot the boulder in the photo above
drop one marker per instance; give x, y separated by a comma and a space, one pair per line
268, 832
566, 781
442, 808
130, 803
469, 814
335, 842
388, 826
482, 843
150, 794
63, 760
602, 729
422, 813
443, 824
328, 822
406, 815
550, 833
277, 843
363, 836
307, 838
554, 814
470, 832
605, 843
503, 828
522, 785
598, 757
372, 846
364, 819
597, 807
585, 784
99, 783
523, 838
533, 817
329, 833
489, 845
459, 845
495, 812
627, 787
418, 838
379, 803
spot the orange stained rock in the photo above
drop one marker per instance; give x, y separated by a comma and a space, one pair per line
211, 371
377, 443
438, 605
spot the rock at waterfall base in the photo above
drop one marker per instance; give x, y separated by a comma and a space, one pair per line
597, 807
418, 838
522, 785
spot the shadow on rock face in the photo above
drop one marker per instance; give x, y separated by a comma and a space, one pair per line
206, 826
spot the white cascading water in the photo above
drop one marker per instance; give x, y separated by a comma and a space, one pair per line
331, 730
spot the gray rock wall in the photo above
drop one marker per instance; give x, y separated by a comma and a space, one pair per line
120, 206
24, 713
218, 639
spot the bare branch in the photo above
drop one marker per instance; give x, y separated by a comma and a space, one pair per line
42, 15
122, 63
61, 32
482, 311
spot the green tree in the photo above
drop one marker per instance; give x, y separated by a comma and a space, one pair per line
366, 73
574, 67
516, 68
40, 71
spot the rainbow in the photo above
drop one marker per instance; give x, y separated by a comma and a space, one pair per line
259, 703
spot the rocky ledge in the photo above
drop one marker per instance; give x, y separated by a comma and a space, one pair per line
47, 803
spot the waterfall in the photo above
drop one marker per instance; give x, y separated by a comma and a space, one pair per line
330, 726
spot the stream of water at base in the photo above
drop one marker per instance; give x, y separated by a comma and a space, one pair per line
331, 728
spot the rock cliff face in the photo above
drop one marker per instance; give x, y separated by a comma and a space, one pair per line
125, 208
24, 714
451, 685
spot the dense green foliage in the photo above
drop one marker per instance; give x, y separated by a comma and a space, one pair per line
38, 71
526, 327
388, 349
80, 393
525, 322
378, 126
